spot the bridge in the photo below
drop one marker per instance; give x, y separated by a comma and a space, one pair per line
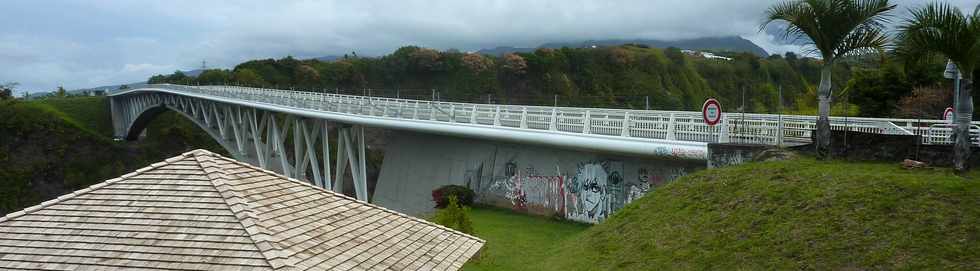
257, 125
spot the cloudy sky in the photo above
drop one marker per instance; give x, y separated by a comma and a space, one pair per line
44, 44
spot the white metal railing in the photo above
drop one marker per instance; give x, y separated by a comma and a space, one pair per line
768, 129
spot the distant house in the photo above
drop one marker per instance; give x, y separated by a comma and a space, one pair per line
708, 55
202, 211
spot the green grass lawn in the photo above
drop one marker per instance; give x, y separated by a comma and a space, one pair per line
788, 215
515, 241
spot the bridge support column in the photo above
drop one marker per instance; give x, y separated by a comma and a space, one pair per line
116, 110
350, 137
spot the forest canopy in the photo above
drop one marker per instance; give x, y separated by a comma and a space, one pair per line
627, 76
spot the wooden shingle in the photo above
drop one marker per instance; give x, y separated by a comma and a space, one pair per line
202, 211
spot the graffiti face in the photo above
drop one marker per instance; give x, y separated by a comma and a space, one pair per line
510, 169
590, 197
643, 176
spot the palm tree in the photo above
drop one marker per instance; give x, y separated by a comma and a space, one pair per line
835, 29
942, 29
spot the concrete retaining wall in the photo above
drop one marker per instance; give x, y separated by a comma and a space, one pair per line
580, 186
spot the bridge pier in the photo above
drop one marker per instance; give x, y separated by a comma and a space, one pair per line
584, 186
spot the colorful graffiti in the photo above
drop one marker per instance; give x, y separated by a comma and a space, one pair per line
591, 193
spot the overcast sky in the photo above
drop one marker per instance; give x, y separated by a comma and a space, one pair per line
79, 44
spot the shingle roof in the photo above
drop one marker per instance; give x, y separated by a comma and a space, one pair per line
202, 211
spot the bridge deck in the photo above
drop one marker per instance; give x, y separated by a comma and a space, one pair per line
679, 134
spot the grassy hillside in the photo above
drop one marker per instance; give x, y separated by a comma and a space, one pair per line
789, 215
55, 146
90, 113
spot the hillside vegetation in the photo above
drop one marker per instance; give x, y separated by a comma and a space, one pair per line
789, 215
54, 146
618, 76
608, 76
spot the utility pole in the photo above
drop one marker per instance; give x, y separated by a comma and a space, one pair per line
204, 64
779, 106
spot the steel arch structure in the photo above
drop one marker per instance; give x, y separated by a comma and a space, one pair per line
256, 136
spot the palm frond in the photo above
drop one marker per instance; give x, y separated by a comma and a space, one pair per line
940, 28
836, 28
864, 40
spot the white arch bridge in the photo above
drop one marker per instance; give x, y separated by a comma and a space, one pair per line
253, 124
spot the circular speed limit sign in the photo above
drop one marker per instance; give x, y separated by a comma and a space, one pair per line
948, 114
711, 111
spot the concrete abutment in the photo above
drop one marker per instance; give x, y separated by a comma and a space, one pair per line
576, 185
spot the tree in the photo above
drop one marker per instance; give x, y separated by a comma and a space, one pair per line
213, 77
924, 103
455, 216
61, 92
836, 29
248, 77
306, 76
7, 90
942, 29
877, 91
477, 63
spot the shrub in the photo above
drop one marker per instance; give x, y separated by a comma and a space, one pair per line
455, 216
463, 194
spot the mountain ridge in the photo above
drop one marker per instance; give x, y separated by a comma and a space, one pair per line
723, 43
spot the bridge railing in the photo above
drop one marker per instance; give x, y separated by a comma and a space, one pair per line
670, 125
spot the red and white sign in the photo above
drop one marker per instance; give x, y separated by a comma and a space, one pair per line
711, 111
948, 114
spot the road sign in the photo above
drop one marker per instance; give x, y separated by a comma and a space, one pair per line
951, 71
948, 114
711, 111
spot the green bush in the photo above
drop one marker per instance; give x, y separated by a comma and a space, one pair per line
455, 216
463, 194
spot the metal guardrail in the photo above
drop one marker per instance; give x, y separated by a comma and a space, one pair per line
767, 129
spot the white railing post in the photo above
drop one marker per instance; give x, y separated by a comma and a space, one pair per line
385, 112
779, 131
671, 133
723, 134
554, 119
415, 113
432, 111
452, 113
473, 115
587, 122
496, 117
523, 117
626, 124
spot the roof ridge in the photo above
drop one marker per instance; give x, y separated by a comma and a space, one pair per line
369, 205
243, 210
96, 186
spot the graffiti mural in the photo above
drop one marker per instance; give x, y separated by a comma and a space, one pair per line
588, 192
640, 187
594, 191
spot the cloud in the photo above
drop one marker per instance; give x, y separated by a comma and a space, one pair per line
85, 43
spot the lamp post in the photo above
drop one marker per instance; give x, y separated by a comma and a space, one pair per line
953, 73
